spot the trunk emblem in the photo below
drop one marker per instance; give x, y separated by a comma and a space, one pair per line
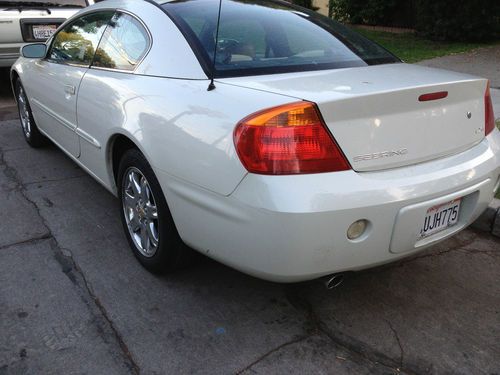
469, 115
380, 155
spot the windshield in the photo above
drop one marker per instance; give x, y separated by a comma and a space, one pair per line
45, 3
265, 37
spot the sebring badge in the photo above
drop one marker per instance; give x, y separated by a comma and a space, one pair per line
380, 155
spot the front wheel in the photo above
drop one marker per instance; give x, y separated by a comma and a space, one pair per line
28, 125
146, 218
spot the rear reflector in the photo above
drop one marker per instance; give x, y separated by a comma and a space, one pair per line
289, 139
489, 120
433, 96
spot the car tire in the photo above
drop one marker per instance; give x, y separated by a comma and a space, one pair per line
146, 218
28, 126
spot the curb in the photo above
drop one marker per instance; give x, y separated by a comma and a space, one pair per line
489, 221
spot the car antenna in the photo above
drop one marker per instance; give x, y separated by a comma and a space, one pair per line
211, 85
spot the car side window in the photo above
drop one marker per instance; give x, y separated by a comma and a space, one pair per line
124, 44
76, 43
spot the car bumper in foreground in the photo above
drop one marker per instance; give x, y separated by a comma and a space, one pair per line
8, 60
9, 53
293, 228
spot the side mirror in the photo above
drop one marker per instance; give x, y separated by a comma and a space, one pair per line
34, 51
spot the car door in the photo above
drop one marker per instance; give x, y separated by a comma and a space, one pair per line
108, 87
54, 81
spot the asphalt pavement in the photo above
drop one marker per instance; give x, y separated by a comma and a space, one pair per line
73, 300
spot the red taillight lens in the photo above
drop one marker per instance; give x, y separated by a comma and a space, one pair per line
289, 139
489, 120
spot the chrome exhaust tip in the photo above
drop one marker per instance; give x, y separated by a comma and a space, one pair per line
333, 281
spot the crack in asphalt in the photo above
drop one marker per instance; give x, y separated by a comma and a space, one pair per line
24, 184
33, 240
65, 258
314, 325
490, 253
16, 149
274, 350
55, 180
398, 340
355, 347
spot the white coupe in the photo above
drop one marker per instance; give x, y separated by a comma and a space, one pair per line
260, 134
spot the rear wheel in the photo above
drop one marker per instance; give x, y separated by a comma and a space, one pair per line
146, 218
28, 125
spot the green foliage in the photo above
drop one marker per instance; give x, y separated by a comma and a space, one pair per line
412, 48
469, 20
369, 12
466, 20
305, 3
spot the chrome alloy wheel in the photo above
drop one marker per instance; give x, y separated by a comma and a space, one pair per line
141, 214
24, 113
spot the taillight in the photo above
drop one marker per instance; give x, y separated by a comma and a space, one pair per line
489, 122
288, 139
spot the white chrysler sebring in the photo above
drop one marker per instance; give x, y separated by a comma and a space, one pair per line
261, 134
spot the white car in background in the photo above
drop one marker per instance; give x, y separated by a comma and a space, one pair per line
276, 141
30, 21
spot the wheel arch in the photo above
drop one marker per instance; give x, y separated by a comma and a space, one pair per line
117, 145
14, 76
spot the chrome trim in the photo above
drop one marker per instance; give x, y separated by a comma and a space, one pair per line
51, 113
72, 64
87, 137
112, 69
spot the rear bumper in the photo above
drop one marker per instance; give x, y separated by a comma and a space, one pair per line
293, 228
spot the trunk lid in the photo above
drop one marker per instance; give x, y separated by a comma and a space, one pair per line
375, 114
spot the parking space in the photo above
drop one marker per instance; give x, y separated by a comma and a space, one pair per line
74, 300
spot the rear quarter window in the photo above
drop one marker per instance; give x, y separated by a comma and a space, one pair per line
123, 44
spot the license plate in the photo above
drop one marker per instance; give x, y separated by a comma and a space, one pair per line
440, 217
43, 31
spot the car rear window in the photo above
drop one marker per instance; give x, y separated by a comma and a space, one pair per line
265, 37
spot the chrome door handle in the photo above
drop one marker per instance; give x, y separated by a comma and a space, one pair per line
69, 89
